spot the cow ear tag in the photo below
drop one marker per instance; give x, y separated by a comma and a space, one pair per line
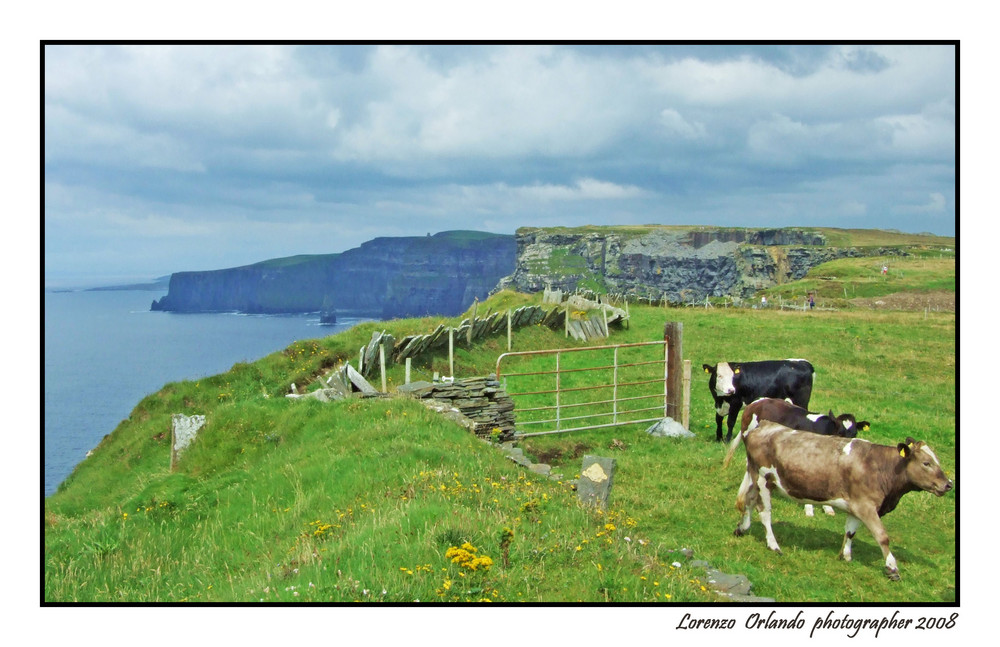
902, 453
865, 428
736, 372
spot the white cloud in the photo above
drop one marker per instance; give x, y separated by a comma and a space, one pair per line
582, 189
675, 124
936, 203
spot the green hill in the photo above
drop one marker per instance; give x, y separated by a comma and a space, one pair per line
373, 500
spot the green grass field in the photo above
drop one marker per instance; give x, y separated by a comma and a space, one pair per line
381, 500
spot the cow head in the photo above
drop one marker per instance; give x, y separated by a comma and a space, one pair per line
722, 379
849, 426
922, 467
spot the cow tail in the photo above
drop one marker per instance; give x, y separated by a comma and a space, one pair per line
733, 444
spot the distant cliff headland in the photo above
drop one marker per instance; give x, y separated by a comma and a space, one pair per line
443, 274
686, 263
384, 277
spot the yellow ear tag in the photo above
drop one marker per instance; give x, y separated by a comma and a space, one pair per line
865, 428
902, 453
736, 371
707, 371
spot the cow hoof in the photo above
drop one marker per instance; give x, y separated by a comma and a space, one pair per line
892, 574
738, 532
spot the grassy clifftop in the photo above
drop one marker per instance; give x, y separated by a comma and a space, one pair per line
364, 500
835, 237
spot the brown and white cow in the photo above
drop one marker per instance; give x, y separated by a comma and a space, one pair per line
794, 417
863, 479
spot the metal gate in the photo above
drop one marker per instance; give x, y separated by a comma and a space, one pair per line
570, 389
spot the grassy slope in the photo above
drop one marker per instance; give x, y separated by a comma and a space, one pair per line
360, 500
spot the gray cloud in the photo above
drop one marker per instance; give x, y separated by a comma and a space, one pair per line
214, 156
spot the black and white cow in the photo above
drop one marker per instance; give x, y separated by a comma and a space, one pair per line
734, 384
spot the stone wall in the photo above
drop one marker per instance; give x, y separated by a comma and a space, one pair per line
482, 404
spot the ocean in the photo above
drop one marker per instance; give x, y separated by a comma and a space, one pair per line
105, 350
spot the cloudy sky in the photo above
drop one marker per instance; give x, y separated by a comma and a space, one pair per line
167, 158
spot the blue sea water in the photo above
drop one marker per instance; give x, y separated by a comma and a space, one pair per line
105, 350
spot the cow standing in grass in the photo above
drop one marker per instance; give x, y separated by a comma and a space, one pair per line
734, 384
863, 479
793, 417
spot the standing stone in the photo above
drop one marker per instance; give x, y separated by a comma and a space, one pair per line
594, 486
185, 428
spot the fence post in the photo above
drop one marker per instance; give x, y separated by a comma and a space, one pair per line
509, 335
686, 410
673, 334
381, 366
475, 310
408, 370
451, 351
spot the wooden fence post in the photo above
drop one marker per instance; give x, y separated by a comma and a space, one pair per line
673, 334
475, 310
451, 351
509, 335
686, 410
408, 370
381, 366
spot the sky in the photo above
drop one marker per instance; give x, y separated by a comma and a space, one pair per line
165, 158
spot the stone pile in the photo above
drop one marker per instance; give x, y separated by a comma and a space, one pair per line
480, 400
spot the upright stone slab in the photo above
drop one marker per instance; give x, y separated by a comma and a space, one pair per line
185, 428
596, 477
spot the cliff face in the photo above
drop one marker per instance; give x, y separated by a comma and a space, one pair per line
384, 277
684, 264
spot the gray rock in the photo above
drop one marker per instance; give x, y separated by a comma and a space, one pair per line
351, 376
540, 468
668, 427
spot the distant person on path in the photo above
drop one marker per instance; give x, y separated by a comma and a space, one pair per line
763, 302
812, 301
885, 270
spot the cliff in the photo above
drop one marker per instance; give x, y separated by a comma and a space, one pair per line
384, 277
682, 263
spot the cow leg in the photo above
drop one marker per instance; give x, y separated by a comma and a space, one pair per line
872, 521
745, 501
718, 427
763, 487
734, 412
850, 529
